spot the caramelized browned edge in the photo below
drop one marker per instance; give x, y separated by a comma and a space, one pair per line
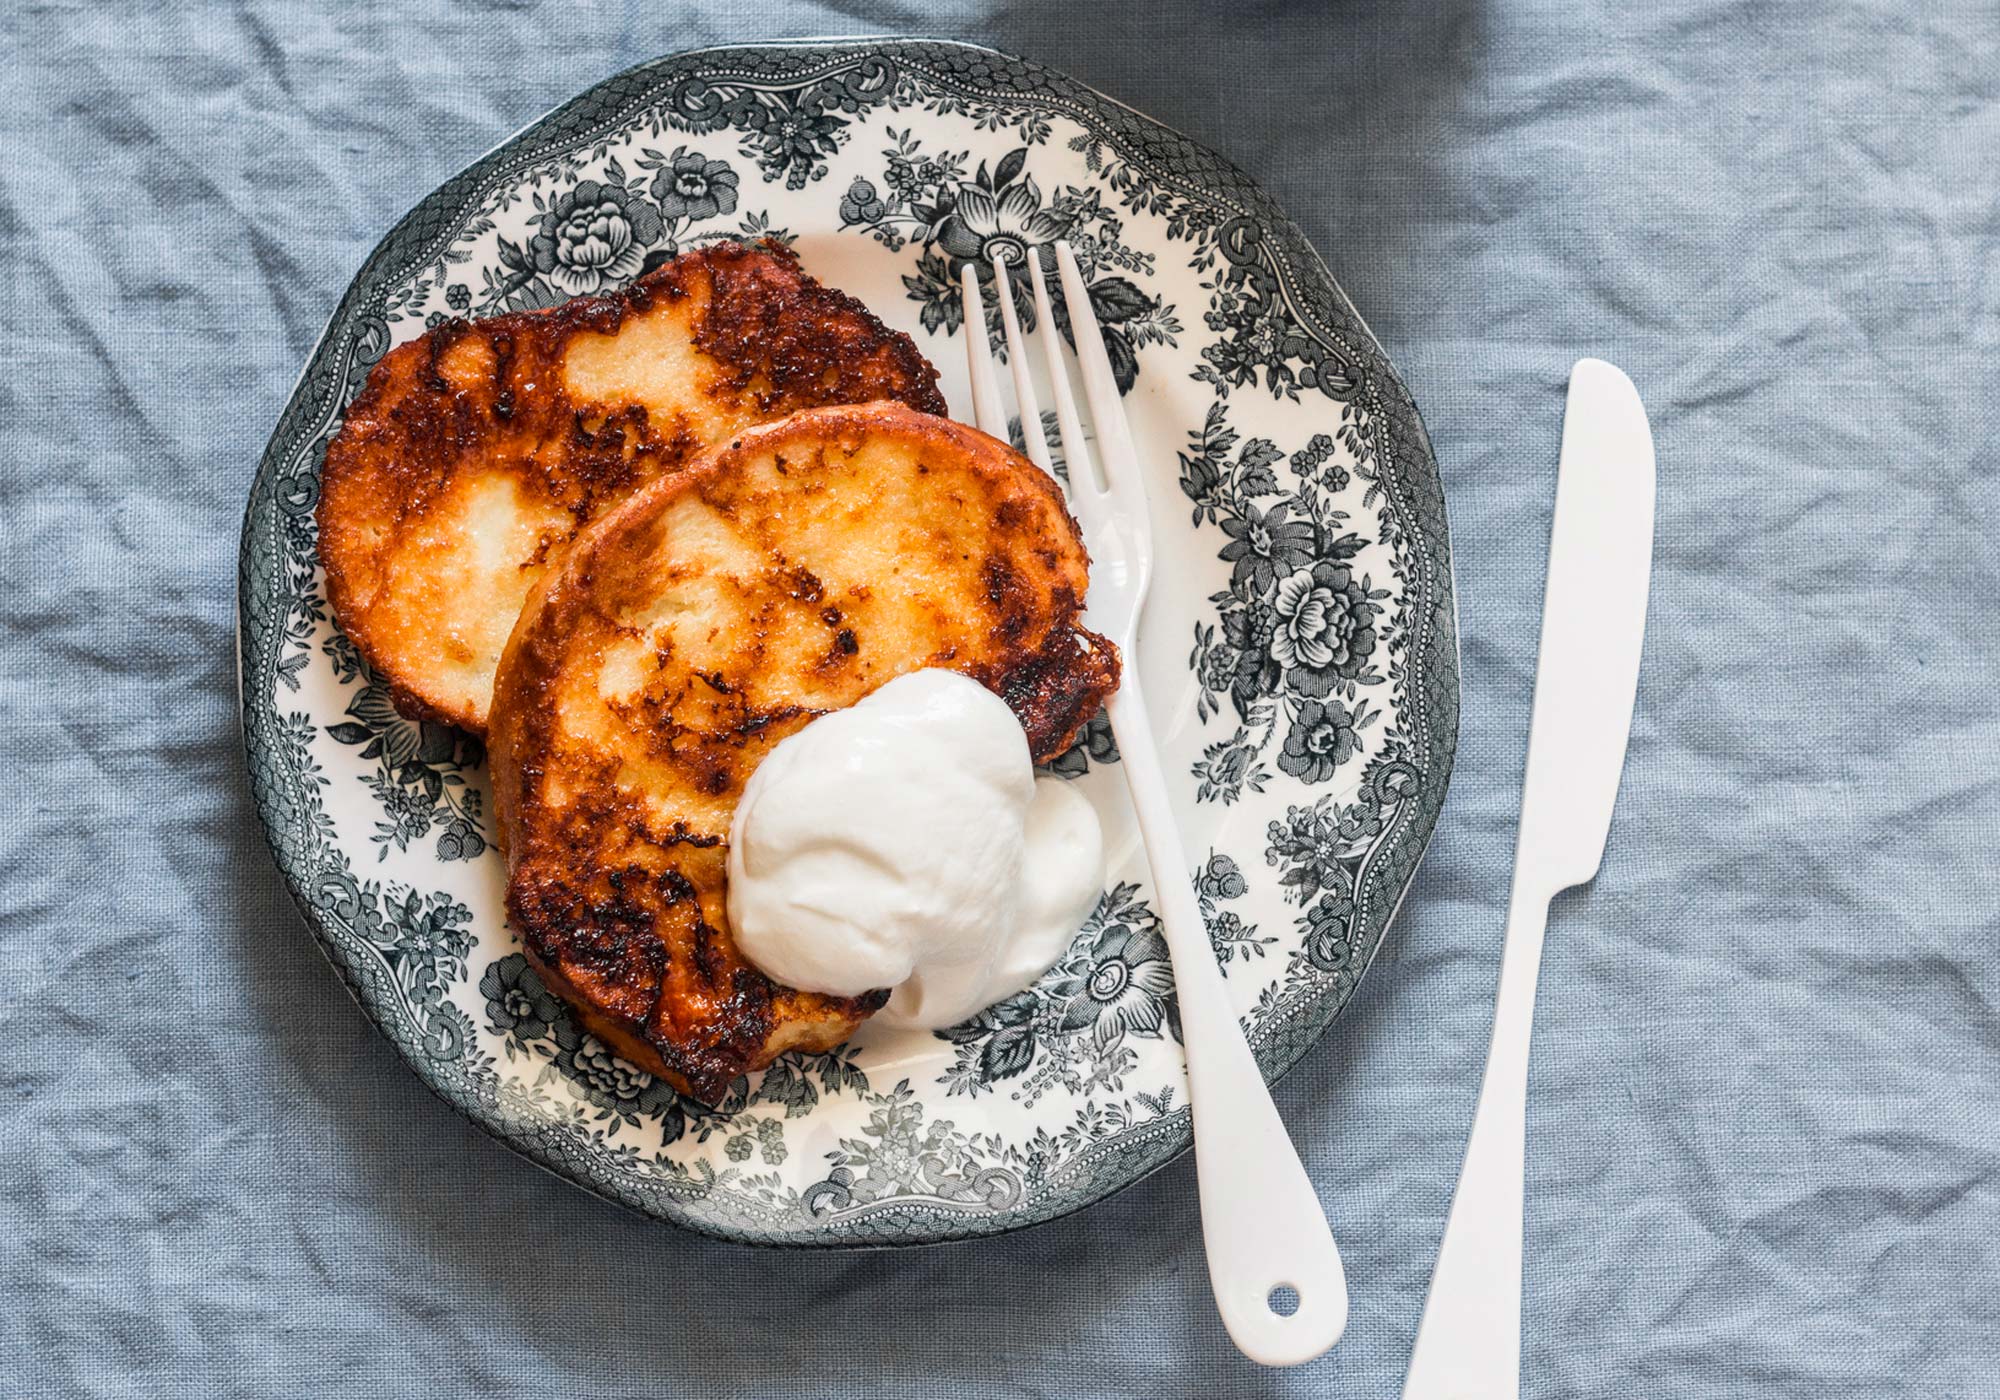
727, 336
1053, 692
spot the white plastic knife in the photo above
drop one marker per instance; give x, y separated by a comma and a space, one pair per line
1586, 676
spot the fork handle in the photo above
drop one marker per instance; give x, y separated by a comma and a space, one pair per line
1261, 1221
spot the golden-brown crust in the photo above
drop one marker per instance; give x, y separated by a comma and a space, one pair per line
474, 453
786, 574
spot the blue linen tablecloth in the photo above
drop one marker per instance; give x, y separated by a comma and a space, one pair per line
1765, 1126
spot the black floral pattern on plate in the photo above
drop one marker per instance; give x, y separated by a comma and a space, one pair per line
1321, 656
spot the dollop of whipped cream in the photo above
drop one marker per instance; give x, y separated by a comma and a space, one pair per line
906, 842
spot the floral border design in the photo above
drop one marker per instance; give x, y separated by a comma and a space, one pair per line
1296, 631
999, 214
904, 1179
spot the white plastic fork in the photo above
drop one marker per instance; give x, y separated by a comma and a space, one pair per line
1260, 1219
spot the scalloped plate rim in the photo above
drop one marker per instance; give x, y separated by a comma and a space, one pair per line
985, 1224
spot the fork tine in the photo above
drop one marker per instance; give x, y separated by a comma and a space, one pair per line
1114, 435
1032, 436
1076, 453
987, 415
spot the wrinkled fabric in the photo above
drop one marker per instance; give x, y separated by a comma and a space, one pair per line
1765, 1123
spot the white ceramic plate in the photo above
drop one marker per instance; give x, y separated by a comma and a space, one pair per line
1299, 646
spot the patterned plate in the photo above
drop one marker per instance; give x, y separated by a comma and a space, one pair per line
1300, 646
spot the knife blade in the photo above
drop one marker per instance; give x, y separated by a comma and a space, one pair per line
1586, 680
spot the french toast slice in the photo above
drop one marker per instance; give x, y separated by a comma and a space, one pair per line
785, 574
474, 454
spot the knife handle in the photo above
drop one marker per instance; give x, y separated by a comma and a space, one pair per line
1469, 1342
